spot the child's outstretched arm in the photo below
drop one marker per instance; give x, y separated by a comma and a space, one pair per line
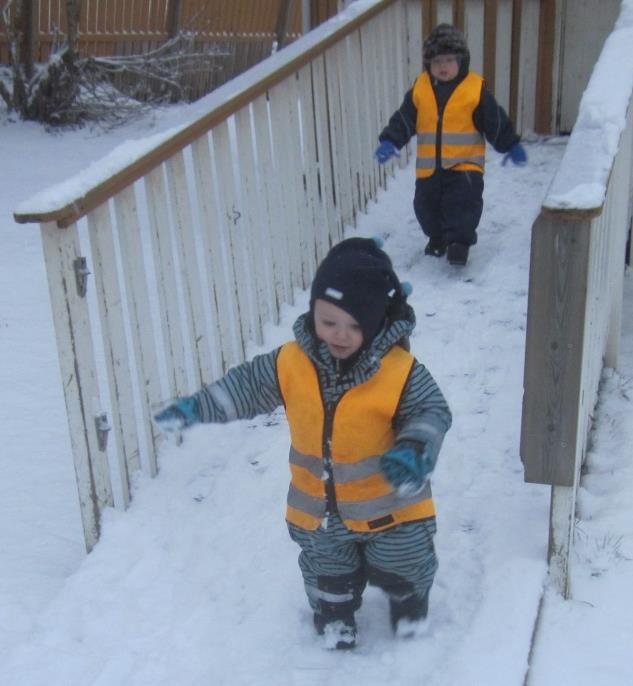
242, 393
422, 420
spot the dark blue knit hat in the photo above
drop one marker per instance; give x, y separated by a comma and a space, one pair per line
357, 276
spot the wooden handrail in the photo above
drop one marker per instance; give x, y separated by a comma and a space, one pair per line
230, 97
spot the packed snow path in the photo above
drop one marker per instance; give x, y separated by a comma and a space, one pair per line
197, 583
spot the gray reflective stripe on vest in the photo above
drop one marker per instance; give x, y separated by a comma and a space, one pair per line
306, 503
473, 138
313, 464
366, 510
343, 473
447, 162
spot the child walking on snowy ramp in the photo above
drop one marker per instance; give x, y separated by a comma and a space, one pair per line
452, 114
367, 421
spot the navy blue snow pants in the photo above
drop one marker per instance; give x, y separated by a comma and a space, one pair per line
337, 563
449, 204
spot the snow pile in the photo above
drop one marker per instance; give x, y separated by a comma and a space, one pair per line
584, 172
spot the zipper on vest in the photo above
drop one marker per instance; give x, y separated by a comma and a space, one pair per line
330, 493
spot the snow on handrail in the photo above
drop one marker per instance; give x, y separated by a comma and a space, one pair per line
581, 181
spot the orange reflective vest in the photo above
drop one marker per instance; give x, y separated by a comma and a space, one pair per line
462, 146
354, 434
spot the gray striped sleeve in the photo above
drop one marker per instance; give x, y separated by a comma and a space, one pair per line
243, 392
423, 414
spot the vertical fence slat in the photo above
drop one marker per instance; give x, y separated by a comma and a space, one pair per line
116, 354
71, 320
319, 239
230, 216
167, 286
190, 274
216, 257
280, 108
324, 149
273, 193
140, 313
255, 219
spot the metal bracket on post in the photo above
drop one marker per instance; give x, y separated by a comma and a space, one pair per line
81, 276
103, 427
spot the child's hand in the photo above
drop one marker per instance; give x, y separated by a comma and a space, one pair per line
407, 467
385, 151
517, 154
178, 415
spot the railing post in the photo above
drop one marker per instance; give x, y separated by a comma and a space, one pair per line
78, 371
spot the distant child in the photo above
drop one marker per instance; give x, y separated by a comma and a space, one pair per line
450, 111
366, 424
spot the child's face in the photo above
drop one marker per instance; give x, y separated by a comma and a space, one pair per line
339, 330
444, 67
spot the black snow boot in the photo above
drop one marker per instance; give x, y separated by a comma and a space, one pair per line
408, 614
435, 247
339, 634
458, 253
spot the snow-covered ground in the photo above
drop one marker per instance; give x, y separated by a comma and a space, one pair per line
197, 583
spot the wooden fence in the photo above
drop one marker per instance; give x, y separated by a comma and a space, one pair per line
235, 35
579, 247
163, 268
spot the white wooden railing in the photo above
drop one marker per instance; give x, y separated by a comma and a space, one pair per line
576, 286
168, 256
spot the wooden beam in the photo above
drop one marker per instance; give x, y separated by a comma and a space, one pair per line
553, 348
515, 58
283, 16
545, 66
429, 16
459, 15
490, 43
174, 18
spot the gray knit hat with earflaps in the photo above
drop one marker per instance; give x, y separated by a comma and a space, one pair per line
445, 40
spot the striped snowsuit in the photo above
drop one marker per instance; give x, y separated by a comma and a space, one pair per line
335, 561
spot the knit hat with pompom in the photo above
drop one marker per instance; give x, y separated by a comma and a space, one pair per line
357, 276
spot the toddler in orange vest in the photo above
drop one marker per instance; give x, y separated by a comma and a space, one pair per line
366, 423
452, 114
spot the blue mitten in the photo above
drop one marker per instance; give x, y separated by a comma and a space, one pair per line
178, 415
517, 154
385, 151
407, 467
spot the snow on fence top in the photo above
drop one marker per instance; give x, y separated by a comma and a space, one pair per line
581, 180
73, 198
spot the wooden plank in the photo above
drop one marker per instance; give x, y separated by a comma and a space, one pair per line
459, 15
217, 257
544, 77
231, 218
272, 193
490, 43
116, 355
71, 319
256, 217
166, 285
561, 537
554, 344
318, 240
285, 168
198, 343
141, 330
515, 64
